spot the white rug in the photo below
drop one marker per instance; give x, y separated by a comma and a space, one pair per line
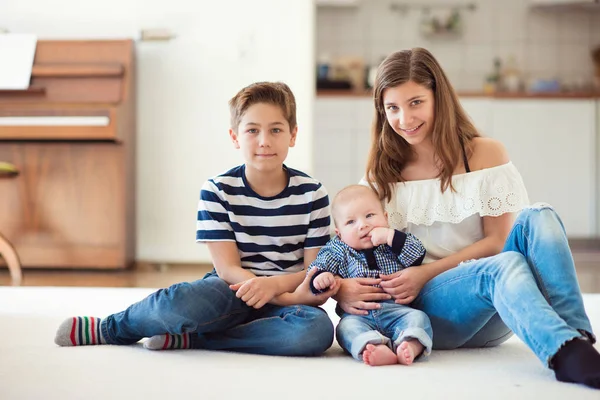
33, 367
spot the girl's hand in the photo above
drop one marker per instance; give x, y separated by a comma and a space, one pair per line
256, 292
357, 295
405, 285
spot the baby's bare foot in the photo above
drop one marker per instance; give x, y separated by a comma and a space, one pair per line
379, 355
407, 351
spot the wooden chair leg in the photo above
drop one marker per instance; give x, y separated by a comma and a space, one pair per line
9, 254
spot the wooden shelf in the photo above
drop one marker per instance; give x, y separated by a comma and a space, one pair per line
32, 90
64, 70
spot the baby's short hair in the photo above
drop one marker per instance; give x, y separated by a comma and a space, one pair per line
351, 192
276, 93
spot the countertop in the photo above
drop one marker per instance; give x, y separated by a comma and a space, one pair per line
498, 95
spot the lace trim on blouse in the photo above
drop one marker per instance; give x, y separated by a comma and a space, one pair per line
487, 192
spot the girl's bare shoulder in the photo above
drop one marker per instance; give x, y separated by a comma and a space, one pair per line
487, 153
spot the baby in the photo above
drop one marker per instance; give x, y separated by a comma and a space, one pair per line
365, 247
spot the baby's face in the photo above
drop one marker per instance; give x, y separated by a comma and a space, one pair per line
356, 218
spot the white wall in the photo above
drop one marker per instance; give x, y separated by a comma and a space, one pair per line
183, 89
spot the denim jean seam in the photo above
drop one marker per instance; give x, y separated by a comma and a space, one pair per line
298, 310
442, 284
531, 338
222, 317
378, 326
538, 277
295, 312
104, 330
533, 265
507, 334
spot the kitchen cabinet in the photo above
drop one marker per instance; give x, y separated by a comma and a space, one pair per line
552, 143
481, 112
562, 2
341, 140
566, 5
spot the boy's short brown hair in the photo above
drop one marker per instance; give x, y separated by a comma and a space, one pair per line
276, 93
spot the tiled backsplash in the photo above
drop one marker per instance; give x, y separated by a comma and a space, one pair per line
546, 44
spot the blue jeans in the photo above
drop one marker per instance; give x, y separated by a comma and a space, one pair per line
217, 320
390, 325
530, 289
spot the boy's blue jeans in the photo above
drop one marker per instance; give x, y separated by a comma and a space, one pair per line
531, 288
217, 320
390, 325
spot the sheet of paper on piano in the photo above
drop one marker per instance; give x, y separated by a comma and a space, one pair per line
16, 54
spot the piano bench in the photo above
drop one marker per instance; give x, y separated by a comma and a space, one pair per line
9, 254
7, 250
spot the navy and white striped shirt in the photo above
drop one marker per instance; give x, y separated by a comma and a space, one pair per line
271, 233
340, 259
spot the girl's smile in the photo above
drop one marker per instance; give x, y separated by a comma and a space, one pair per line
413, 131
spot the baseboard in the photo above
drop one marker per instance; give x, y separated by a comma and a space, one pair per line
585, 244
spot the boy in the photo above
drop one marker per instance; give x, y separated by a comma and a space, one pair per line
364, 248
263, 223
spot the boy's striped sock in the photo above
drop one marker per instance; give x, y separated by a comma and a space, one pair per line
168, 342
79, 331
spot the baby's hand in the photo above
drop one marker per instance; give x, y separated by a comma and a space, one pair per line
381, 235
324, 280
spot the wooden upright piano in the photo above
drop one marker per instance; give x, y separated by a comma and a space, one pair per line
72, 135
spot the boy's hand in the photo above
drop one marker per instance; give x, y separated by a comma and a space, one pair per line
381, 235
256, 292
324, 280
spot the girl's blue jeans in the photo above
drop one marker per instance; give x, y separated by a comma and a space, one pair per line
217, 320
530, 289
390, 325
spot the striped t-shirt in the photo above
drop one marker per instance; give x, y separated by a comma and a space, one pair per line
271, 232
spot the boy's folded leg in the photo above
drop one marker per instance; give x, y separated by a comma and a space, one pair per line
204, 305
80, 331
169, 342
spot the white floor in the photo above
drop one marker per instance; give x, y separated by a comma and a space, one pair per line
33, 367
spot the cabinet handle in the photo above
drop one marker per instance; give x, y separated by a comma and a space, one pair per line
8, 170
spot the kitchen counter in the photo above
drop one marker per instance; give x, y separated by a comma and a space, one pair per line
498, 95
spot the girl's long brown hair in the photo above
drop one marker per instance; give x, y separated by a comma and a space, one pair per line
389, 152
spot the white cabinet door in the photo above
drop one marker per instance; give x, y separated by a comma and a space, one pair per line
341, 140
480, 111
552, 143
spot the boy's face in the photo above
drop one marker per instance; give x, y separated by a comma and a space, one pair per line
357, 217
264, 136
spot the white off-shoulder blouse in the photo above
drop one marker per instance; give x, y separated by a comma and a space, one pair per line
450, 221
